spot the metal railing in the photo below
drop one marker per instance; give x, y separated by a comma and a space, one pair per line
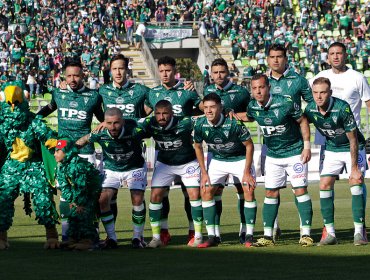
149, 59
208, 53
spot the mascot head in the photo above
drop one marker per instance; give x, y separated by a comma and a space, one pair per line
65, 149
13, 94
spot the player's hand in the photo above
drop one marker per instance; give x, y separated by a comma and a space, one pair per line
248, 181
232, 115
188, 85
356, 177
306, 155
63, 85
80, 209
99, 128
204, 182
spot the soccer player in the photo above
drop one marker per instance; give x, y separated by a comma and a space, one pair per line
184, 103
287, 137
234, 98
76, 106
123, 161
231, 145
284, 80
354, 92
123, 94
345, 145
127, 96
348, 85
176, 157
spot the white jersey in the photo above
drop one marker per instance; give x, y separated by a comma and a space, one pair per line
350, 86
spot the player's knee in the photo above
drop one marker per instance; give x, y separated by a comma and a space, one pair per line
104, 201
272, 193
156, 195
300, 191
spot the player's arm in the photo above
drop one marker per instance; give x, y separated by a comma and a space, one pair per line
48, 109
306, 90
147, 110
98, 111
248, 179
200, 157
84, 140
356, 175
305, 130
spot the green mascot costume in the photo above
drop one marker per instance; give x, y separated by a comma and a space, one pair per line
23, 172
80, 184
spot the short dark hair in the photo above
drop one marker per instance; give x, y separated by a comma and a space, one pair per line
261, 76
277, 47
212, 97
119, 57
220, 62
166, 60
73, 63
338, 44
163, 104
322, 80
114, 111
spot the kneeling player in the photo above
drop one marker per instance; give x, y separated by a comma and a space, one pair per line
123, 161
345, 146
176, 157
232, 149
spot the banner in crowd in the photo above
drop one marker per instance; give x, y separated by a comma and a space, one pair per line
156, 34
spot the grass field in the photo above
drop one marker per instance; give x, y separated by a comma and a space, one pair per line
26, 259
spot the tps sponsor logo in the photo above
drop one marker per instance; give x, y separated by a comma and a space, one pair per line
225, 146
127, 108
270, 130
72, 114
169, 145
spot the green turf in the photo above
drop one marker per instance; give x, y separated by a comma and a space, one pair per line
26, 259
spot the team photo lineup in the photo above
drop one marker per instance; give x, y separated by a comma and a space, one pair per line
202, 144
181, 124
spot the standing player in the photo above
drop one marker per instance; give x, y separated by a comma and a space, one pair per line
184, 103
344, 146
127, 96
76, 106
284, 80
287, 137
231, 145
121, 93
176, 157
234, 98
348, 85
123, 161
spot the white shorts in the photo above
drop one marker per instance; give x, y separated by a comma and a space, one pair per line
335, 161
277, 169
164, 175
90, 158
135, 179
219, 171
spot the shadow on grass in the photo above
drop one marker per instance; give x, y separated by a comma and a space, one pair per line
230, 260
